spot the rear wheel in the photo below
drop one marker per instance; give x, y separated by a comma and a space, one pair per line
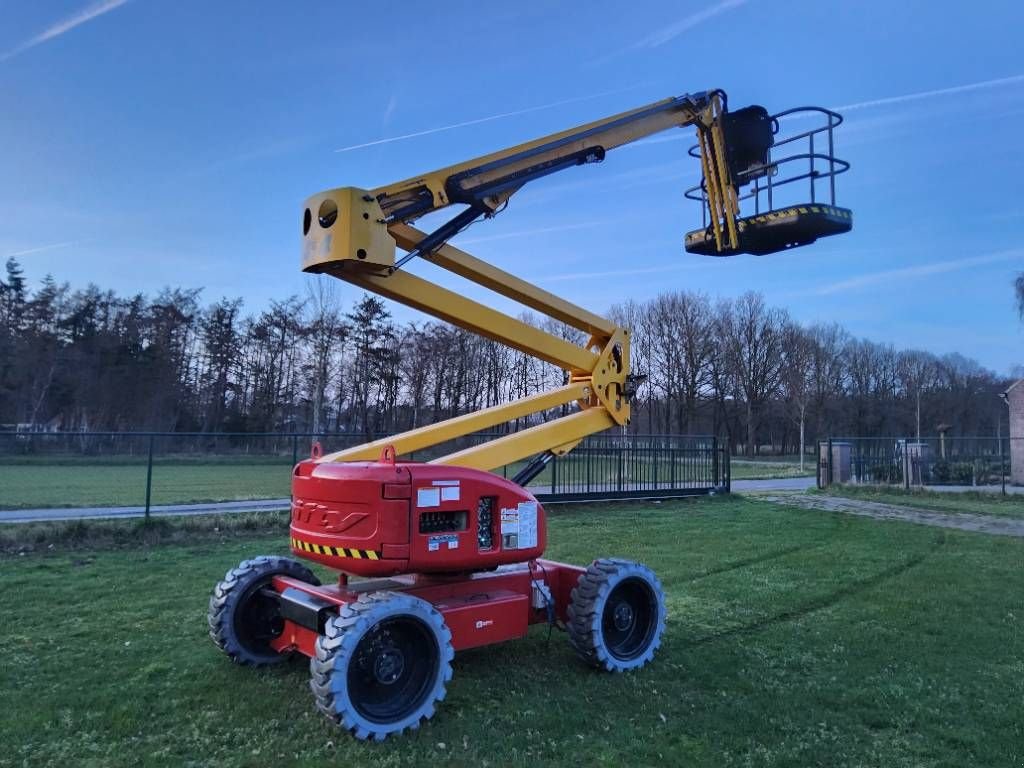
381, 665
617, 615
244, 618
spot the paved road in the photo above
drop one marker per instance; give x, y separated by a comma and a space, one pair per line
89, 513
268, 505
782, 484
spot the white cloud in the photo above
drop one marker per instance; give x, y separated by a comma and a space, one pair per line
919, 270
65, 25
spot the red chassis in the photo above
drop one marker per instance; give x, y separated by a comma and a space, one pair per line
445, 559
480, 608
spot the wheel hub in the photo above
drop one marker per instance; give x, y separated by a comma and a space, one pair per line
388, 666
623, 616
630, 618
392, 669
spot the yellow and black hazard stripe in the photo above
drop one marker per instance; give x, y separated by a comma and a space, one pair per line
323, 549
703, 235
764, 218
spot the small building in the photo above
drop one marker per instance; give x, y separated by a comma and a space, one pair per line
1014, 397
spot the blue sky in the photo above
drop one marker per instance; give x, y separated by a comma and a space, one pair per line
150, 143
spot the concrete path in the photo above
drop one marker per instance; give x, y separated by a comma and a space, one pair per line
779, 484
968, 522
990, 524
268, 505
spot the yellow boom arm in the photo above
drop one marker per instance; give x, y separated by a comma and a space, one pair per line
353, 234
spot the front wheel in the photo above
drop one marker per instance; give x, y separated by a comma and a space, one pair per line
617, 615
381, 665
243, 618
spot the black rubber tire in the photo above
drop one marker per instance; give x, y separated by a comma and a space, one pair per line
616, 616
231, 613
346, 671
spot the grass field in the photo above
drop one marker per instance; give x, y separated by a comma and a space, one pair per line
794, 639
36, 483
744, 469
115, 485
977, 503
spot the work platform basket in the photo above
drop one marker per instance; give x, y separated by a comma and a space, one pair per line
768, 156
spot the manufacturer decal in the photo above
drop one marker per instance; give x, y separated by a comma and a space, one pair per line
441, 541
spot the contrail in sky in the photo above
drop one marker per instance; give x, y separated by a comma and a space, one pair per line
40, 249
919, 270
931, 94
672, 31
479, 120
65, 25
524, 232
614, 273
887, 101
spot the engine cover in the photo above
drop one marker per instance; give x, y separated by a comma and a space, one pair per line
386, 518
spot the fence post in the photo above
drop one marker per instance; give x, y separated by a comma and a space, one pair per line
727, 454
715, 469
149, 475
621, 455
295, 450
554, 475
829, 472
908, 464
1002, 465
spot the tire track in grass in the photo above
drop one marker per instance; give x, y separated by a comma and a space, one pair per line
757, 560
747, 562
824, 602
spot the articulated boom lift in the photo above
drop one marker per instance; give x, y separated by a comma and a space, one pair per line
451, 552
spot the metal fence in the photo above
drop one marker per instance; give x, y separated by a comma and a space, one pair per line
147, 469
985, 463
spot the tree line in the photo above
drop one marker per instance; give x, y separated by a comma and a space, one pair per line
88, 359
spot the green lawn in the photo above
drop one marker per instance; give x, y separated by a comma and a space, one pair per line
744, 469
112, 485
36, 482
977, 503
795, 639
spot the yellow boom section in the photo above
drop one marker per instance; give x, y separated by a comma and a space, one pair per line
353, 234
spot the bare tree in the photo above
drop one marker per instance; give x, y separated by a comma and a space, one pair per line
917, 371
798, 377
219, 335
92, 359
828, 370
374, 361
326, 332
753, 336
